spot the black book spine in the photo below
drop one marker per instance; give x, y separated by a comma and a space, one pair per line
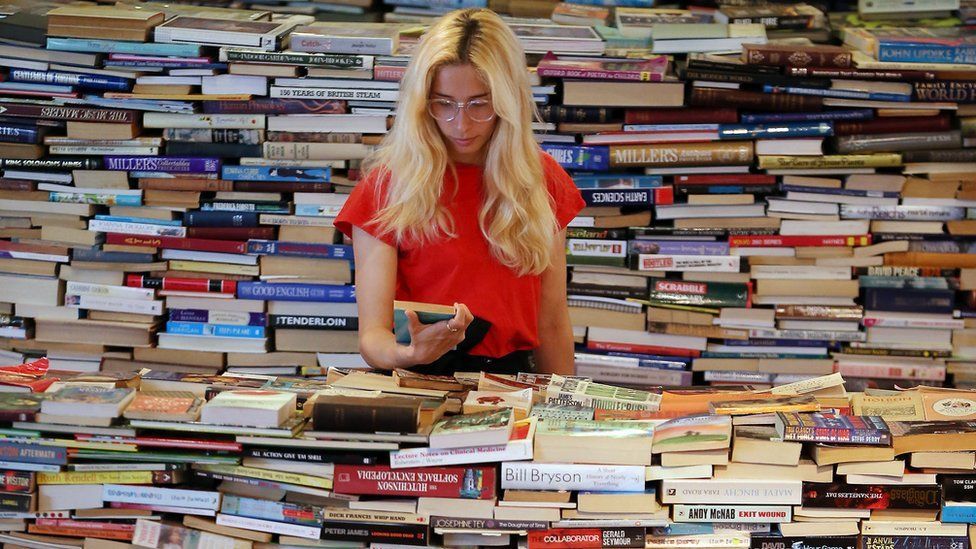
559, 113
758, 79
65, 163
909, 300
959, 488
221, 219
356, 418
403, 534
319, 322
948, 155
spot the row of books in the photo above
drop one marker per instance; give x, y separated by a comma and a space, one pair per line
364, 459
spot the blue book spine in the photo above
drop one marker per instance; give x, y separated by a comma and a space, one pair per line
219, 330
842, 94
672, 127
208, 317
299, 249
221, 219
850, 114
128, 219
918, 52
679, 247
33, 453
579, 157
958, 513
766, 131
104, 199
84, 81
170, 164
617, 181
16, 133
91, 45
275, 173
314, 210
288, 291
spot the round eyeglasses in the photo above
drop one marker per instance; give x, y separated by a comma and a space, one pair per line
446, 110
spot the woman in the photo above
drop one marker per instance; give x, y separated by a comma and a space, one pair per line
460, 206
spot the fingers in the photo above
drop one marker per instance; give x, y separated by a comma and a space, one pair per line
413, 322
462, 316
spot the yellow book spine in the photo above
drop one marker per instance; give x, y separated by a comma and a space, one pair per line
96, 477
211, 267
885, 160
273, 476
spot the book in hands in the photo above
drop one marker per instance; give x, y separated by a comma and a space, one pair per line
427, 313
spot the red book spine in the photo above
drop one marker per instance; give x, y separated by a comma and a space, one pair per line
173, 242
730, 179
786, 102
231, 233
16, 184
438, 482
681, 116
176, 443
774, 240
388, 73
641, 349
181, 284
566, 538
896, 124
816, 56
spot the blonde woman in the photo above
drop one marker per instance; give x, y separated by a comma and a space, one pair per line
460, 206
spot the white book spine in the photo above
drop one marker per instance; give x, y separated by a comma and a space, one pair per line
114, 304
710, 263
334, 93
280, 528
146, 229
559, 476
436, 457
80, 190
105, 290
52, 258
227, 121
732, 513
174, 497
94, 149
709, 491
24, 466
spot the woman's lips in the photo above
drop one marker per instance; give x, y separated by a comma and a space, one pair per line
464, 142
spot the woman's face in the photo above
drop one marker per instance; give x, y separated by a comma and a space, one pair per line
466, 138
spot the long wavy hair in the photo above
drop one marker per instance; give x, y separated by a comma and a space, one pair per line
516, 217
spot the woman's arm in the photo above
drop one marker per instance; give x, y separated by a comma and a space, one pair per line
555, 352
376, 267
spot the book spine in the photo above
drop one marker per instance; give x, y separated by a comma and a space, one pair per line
586, 538
198, 218
920, 52
12, 133
856, 74
678, 247
768, 54
273, 173
909, 300
681, 154
84, 81
854, 496
882, 160
716, 97
218, 317
52, 164
892, 125
17, 481
230, 233
181, 284
345, 94
766, 131
280, 528
598, 74
950, 155
104, 199
143, 229
114, 304
89, 45
880, 371
84, 288
437, 522
33, 453
175, 497
732, 513
307, 322
835, 115
454, 482
174, 242
336, 61
275, 106
299, 249
836, 93
310, 43
276, 511
296, 292
720, 115
859, 144
310, 456
846, 435
163, 164
765, 541
388, 73
945, 91
74, 114
377, 533
869, 541
16, 503
799, 240
217, 330
545, 476
628, 197
578, 157
657, 262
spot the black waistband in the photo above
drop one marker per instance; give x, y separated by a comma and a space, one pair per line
455, 361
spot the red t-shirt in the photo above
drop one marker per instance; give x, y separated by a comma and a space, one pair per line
462, 269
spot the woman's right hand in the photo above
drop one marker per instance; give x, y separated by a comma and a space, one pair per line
428, 342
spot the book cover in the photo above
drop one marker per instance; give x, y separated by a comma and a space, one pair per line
832, 428
445, 482
871, 496
692, 433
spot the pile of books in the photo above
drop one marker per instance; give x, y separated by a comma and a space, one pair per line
368, 460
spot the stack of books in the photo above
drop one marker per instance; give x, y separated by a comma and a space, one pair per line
369, 460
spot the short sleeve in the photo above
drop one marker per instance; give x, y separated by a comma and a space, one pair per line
568, 202
360, 210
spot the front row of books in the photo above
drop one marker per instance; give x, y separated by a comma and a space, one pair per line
366, 459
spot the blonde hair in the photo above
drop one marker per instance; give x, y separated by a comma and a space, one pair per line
516, 217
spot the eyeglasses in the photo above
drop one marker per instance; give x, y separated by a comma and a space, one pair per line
446, 110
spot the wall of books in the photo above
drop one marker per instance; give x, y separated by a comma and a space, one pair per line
781, 213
